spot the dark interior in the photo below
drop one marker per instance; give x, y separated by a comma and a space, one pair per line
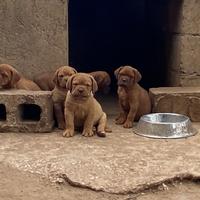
104, 35
29, 112
2, 112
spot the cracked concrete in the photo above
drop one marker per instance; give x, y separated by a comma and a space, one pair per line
120, 163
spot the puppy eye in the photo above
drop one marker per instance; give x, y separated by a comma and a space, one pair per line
61, 76
75, 83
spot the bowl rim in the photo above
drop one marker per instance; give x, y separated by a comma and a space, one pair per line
164, 123
189, 134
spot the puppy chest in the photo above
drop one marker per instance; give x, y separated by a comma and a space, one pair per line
80, 115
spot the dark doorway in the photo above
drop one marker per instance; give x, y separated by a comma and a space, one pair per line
106, 34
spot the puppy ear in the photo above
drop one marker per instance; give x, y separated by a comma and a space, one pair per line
15, 77
94, 85
137, 75
74, 70
55, 77
116, 72
69, 82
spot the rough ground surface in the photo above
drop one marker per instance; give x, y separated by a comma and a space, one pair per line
120, 163
18, 185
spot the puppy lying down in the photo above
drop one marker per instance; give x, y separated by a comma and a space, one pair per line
11, 78
81, 109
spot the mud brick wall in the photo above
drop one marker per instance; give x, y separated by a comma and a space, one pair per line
184, 43
26, 111
33, 34
182, 100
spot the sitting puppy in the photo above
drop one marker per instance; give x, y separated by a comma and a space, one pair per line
45, 81
81, 108
103, 80
134, 101
60, 91
10, 78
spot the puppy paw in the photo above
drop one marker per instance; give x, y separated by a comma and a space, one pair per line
120, 120
128, 124
101, 134
88, 133
61, 126
68, 133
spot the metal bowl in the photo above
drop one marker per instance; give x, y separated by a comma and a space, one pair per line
164, 125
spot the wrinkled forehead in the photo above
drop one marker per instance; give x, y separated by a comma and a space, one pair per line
5, 71
126, 71
66, 72
80, 79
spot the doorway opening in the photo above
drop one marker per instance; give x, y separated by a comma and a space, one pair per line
104, 35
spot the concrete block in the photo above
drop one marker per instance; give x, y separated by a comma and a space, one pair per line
34, 35
26, 111
182, 100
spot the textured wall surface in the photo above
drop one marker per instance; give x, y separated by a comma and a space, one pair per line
182, 100
34, 34
184, 51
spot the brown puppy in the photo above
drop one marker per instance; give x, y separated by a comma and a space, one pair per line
134, 101
10, 78
103, 80
81, 108
60, 91
45, 81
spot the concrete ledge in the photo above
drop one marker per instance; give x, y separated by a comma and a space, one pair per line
182, 100
26, 111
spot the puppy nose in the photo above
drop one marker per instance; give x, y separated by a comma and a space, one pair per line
124, 80
80, 90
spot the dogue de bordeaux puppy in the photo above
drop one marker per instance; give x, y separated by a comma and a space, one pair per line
134, 101
11, 78
60, 91
45, 80
81, 109
103, 80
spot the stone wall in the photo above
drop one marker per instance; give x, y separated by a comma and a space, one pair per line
33, 34
184, 43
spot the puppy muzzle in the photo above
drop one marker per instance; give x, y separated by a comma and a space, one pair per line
80, 93
122, 83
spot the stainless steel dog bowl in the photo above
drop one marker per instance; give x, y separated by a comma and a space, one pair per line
165, 125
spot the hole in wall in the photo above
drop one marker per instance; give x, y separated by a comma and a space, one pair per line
29, 112
2, 112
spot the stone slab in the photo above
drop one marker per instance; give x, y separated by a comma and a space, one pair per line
120, 163
17, 114
34, 35
182, 100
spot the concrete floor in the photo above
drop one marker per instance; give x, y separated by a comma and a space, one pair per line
120, 163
